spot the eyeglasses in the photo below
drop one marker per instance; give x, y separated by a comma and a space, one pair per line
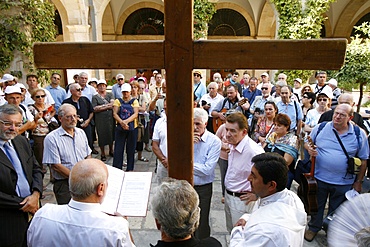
56, 78
40, 96
9, 124
341, 115
264, 88
78, 89
197, 75
120, 79
322, 99
72, 117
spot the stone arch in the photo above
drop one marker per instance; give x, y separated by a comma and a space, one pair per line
349, 17
328, 29
222, 25
144, 21
242, 11
62, 13
366, 13
131, 10
267, 22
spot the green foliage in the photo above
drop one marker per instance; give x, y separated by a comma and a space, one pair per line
300, 22
203, 13
356, 68
22, 23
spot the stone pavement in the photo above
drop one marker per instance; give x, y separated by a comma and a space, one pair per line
144, 230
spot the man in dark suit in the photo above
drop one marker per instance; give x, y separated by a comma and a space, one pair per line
20, 179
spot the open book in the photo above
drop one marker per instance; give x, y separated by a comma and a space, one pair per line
127, 193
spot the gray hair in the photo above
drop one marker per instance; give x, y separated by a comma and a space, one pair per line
83, 73
63, 108
212, 84
202, 114
283, 75
363, 237
9, 109
73, 86
85, 177
175, 205
120, 75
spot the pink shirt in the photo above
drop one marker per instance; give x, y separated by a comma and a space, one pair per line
240, 165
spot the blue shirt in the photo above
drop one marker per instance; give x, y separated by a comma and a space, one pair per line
251, 95
200, 91
293, 110
331, 162
116, 91
62, 148
206, 154
59, 94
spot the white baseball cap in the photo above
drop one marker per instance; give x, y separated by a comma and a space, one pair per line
126, 87
298, 80
12, 89
102, 81
333, 82
265, 74
7, 77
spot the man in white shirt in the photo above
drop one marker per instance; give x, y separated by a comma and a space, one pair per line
159, 144
278, 218
87, 90
81, 222
209, 101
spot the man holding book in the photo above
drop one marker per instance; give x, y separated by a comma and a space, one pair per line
73, 224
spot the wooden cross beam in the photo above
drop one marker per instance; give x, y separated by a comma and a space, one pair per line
179, 55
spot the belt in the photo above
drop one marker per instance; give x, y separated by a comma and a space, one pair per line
197, 186
234, 193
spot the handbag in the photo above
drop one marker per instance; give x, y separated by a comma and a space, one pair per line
52, 125
351, 167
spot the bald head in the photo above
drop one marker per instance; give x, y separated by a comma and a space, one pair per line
346, 98
88, 180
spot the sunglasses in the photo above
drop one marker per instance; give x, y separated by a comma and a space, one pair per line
120, 79
78, 89
40, 96
197, 75
264, 88
323, 100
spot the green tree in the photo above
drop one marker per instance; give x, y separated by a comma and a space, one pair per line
22, 23
301, 22
356, 68
203, 13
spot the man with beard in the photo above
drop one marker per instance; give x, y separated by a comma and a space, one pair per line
63, 148
20, 179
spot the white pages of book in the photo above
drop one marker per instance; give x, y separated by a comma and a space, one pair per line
127, 193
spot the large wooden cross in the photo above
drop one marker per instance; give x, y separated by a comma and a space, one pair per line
179, 54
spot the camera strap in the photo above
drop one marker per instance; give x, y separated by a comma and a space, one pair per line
341, 144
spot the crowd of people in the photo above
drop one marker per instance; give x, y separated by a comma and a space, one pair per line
255, 130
